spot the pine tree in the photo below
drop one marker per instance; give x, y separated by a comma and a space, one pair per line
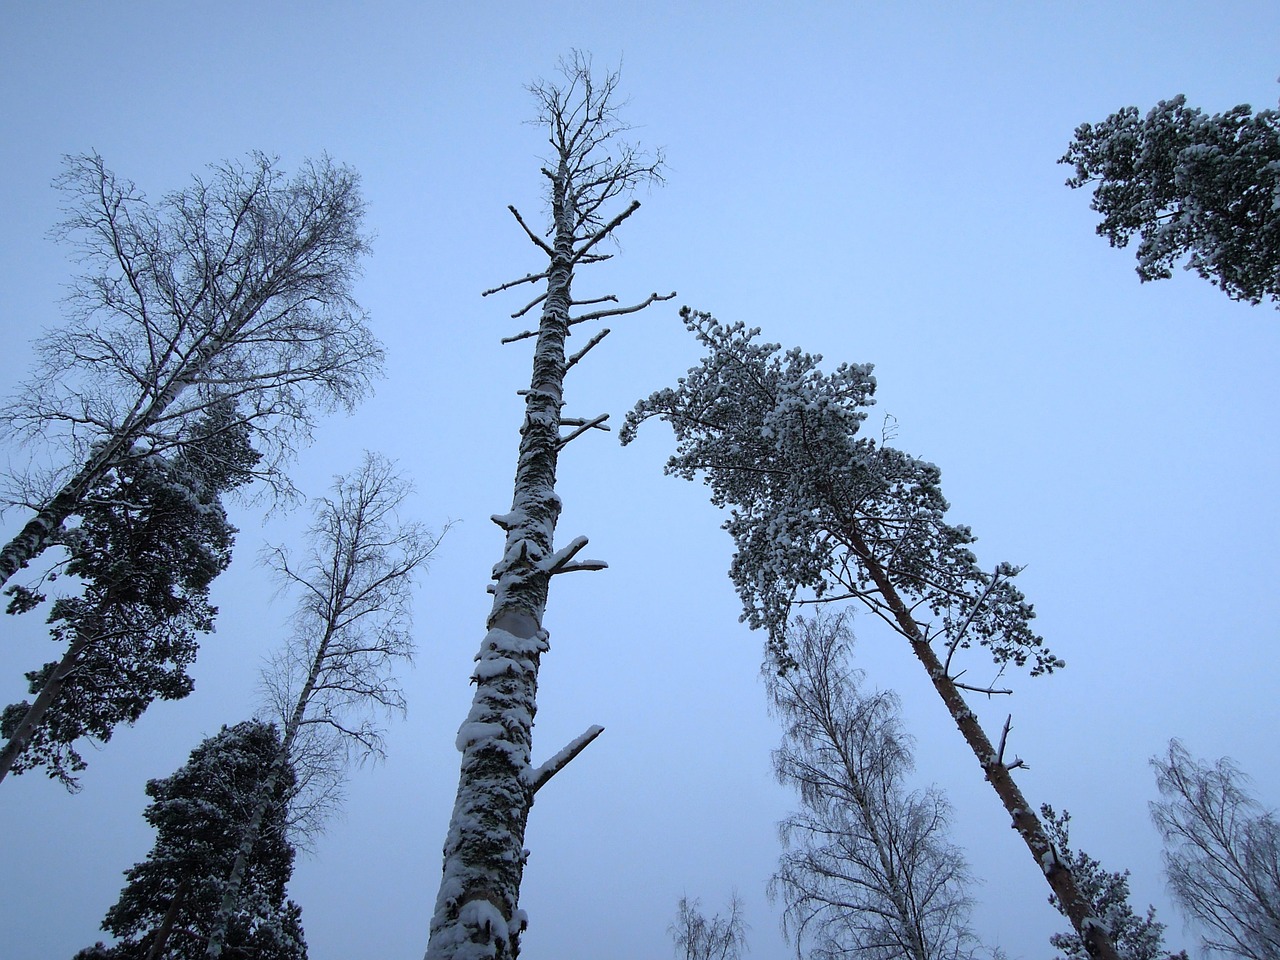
152, 537
822, 512
169, 902
1136, 937
1189, 185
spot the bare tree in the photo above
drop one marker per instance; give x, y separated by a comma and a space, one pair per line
477, 912
1222, 853
330, 686
820, 512
236, 288
699, 937
867, 871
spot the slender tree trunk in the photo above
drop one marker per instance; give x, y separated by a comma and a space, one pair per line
156, 950
39, 532
21, 737
477, 911
265, 798
1025, 820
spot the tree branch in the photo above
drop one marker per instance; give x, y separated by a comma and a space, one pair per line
568, 364
531, 278
597, 424
598, 314
605, 230
542, 244
557, 763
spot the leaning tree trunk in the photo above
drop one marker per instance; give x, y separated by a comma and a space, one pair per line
1061, 880
20, 739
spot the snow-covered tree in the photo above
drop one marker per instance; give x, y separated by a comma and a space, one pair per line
171, 899
477, 912
1202, 187
699, 937
330, 686
237, 287
867, 871
151, 537
819, 511
1221, 853
1135, 937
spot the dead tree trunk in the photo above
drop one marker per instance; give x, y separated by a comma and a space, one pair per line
477, 910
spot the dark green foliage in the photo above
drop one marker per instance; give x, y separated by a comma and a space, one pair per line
152, 537
1135, 937
200, 814
815, 503
1204, 187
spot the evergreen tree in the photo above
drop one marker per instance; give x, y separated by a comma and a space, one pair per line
152, 537
170, 900
1136, 937
1203, 187
821, 511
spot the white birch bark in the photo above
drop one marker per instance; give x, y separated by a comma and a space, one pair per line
477, 913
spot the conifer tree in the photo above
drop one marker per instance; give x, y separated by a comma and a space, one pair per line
170, 900
821, 512
152, 536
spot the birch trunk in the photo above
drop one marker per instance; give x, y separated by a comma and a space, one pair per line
477, 910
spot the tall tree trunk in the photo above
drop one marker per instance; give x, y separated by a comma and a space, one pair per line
265, 798
478, 903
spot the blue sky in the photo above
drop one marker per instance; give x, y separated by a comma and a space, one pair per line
877, 182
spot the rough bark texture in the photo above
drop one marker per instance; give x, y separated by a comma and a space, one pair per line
477, 913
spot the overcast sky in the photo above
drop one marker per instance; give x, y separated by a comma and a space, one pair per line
877, 182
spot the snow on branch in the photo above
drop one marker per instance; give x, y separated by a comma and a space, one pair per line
531, 278
604, 231
583, 426
616, 311
559, 562
558, 762
568, 364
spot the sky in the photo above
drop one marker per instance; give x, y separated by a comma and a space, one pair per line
873, 181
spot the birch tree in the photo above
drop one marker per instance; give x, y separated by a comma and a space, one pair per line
867, 871
1221, 854
477, 912
235, 288
699, 937
821, 512
331, 686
